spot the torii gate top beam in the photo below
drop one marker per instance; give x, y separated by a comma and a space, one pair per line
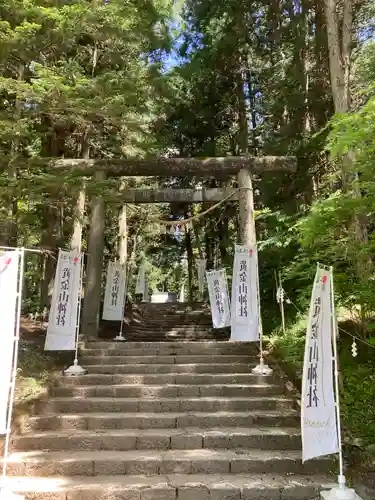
170, 167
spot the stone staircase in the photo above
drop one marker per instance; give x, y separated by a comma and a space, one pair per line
173, 322
165, 421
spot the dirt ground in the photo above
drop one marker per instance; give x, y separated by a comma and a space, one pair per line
32, 330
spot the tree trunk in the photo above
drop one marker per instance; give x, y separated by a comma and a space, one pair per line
196, 230
123, 232
79, 212
252, 111
48, 242
339, 58
11, 233
242, 115
91, 304
190, 260
222, 236
339, 54
123, 236
208, 244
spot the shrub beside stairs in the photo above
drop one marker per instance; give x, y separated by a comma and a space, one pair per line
165, 421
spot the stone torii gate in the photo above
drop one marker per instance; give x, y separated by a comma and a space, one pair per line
221, 168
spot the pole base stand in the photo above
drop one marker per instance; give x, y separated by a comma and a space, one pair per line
75, 370
6, 494
338, 493
262, 369
120, 338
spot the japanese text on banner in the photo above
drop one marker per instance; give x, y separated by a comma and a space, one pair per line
318, 415
114, 296
63, 315
219, 301
245, 297
242, 299
63, 303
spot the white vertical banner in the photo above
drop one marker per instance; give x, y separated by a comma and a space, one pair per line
219, 300
9, 263
318, 412
245, 324
63, 315
201, 269
140, 285
114, 294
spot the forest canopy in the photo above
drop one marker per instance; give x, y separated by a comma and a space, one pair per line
129, 79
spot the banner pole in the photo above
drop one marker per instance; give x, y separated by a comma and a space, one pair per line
342, 480
4, 493
261, 369
282, 303
342, 492
75, 368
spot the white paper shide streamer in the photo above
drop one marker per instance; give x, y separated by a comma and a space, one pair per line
62, 323
318, 414
114, 295
201, 269
245, 299
219, 300
9, 262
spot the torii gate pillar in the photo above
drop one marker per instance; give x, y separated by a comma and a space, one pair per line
247, 234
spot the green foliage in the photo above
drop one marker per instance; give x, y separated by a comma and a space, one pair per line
358, 397
34, 370
330, 229
291, 345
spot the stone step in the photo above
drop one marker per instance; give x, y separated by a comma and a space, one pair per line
172, 487
167, 391
175, 320
170, 321
264, 438
191, 307
163, 328
158, 310
153, 329
114, 359
177, 337
172, 334
90, 421
118, 349
180, 348
163, 405
173, 324
152, 462
180, 379
192, 368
